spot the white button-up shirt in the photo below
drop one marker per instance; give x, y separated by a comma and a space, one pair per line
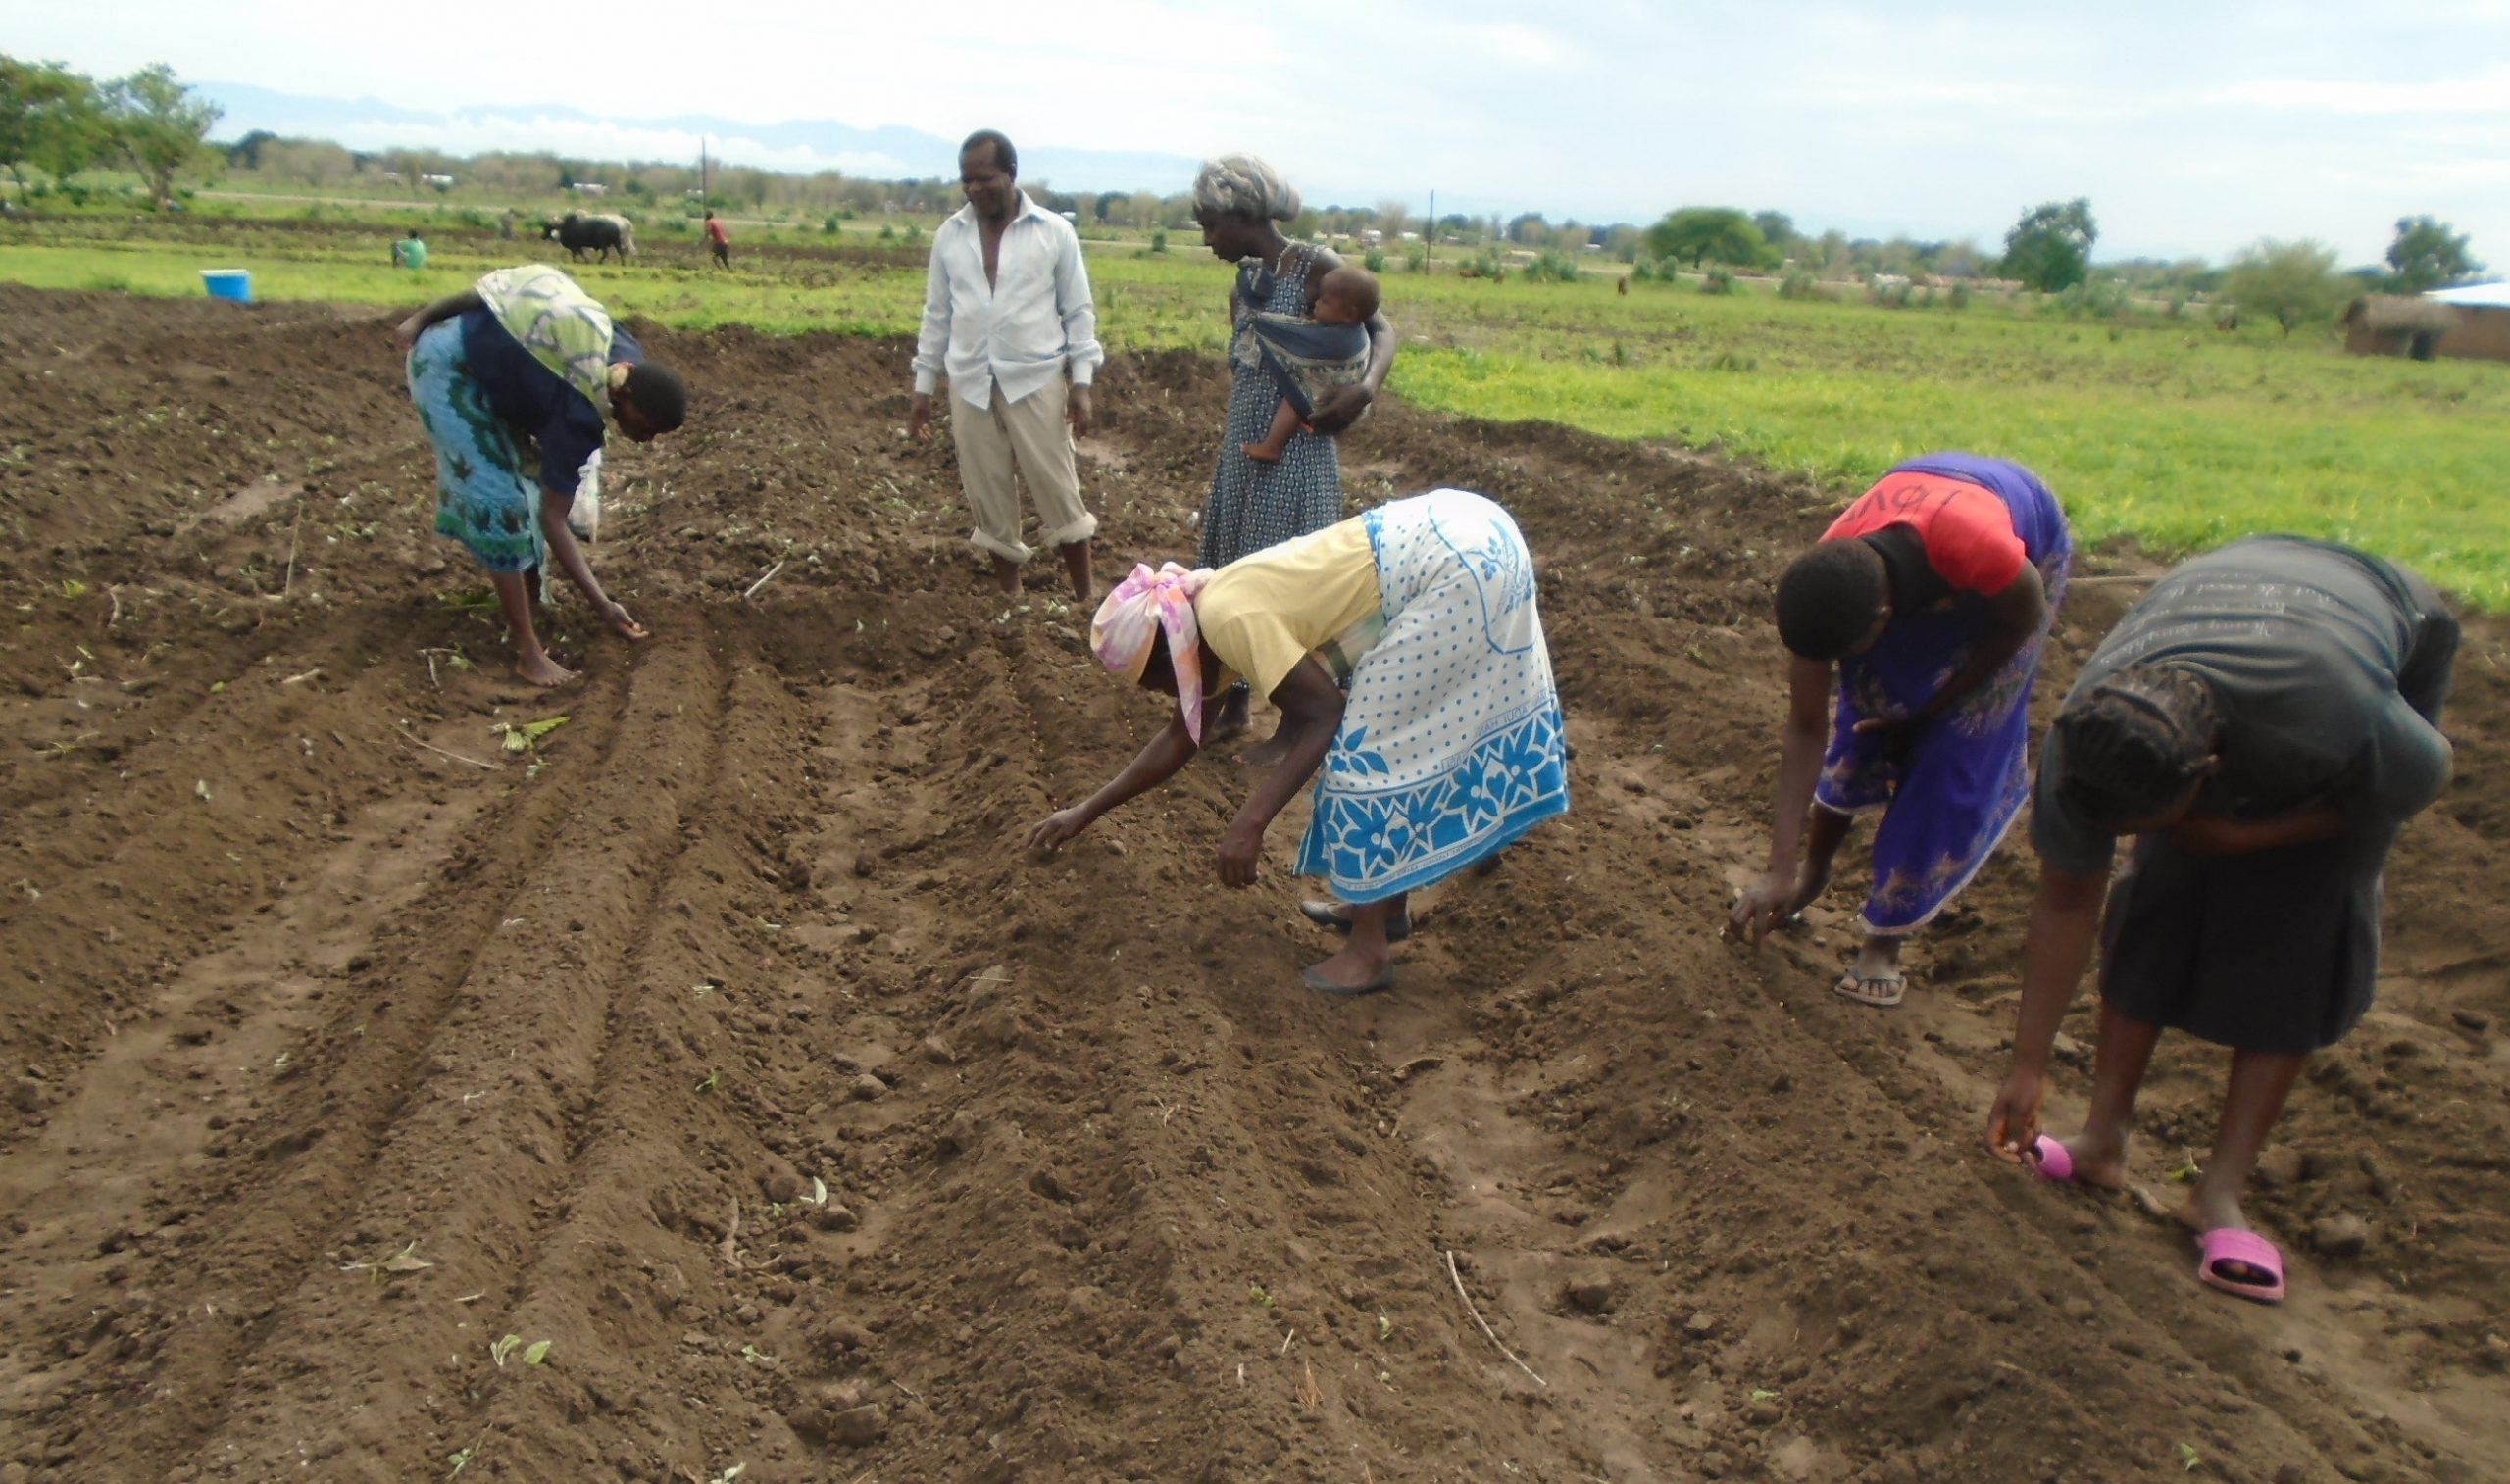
1016, 332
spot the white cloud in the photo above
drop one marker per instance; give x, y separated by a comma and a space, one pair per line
2485, 93
1942, 116
1521, 45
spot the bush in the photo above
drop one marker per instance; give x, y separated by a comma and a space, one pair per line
1159, 240
1959, 298
1488, 264
2095, 300
1799, 285
888, 231
1717, 281
1417, 261
1552, 265
1375, 260
830, 225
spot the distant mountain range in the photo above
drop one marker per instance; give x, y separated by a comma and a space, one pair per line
888, 152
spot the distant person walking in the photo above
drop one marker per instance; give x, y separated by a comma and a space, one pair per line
1928, 600
1008, 318
526, 355
2263, 722
1241, 202
717, 242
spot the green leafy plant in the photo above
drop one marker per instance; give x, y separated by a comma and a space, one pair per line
527, 736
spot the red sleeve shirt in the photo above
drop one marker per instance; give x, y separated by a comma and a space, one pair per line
1967, 531
714, 230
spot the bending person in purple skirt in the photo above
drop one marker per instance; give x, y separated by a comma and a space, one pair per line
1929, 599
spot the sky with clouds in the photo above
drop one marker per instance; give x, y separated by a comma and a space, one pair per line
2195, 128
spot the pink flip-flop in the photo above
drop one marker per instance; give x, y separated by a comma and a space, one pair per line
2231, 1244
2051, 1163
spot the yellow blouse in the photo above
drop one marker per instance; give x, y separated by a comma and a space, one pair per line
1264, 612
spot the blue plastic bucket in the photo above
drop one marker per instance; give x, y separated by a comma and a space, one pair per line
233, 284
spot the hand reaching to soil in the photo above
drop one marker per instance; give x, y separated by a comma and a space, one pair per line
2013, 1124
1241, 849
1060, 825
1770, 900
620, 623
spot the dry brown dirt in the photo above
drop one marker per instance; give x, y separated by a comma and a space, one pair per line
340, 1044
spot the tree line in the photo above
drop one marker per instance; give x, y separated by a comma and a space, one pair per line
61, 123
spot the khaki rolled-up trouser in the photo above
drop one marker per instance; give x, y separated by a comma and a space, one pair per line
1032, 435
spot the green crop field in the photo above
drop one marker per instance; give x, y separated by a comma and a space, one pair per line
2150, 426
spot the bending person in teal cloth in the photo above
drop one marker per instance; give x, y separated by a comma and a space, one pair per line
1406, 655
526, 360
2263, 723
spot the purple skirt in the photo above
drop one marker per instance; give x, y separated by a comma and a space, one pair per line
1950, 787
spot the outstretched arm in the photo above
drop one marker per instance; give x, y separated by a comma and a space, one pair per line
1799, 765
569, 553
1154, 764
2064, 919
1310, 705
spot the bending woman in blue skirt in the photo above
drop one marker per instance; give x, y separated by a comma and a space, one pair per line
1931, 597
1405, 652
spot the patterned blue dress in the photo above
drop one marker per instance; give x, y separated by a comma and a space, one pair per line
1254, 504
1451, 743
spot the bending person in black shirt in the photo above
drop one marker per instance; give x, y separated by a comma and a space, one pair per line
526, 357
2263, 723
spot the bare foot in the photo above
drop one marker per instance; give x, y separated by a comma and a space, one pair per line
542, 670
2100, 1164
1260, 454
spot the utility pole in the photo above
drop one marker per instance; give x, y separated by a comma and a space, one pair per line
705, 188
1430, 236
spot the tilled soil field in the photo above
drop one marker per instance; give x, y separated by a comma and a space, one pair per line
727, 1042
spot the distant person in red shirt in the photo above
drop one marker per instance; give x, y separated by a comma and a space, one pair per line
1929, 599
717, 243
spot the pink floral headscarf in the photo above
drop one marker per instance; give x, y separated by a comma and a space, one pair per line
1139, 609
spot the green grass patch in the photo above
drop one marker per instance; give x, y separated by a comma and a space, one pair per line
2150, 426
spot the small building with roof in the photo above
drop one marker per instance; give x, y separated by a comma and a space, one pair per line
2471, 323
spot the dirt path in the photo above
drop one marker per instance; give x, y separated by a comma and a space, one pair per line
727, 1042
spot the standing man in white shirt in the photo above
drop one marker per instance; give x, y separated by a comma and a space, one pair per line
1007, 318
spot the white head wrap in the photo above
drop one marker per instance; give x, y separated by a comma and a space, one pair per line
1242, 185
